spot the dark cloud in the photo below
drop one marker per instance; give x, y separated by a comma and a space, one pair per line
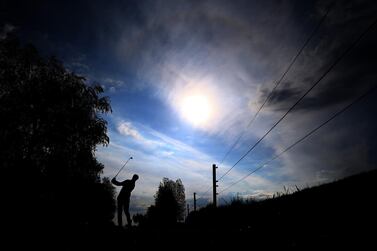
281, 98
353, 75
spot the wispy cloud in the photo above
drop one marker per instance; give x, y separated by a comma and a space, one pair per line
165, 157
235, 60
126, 129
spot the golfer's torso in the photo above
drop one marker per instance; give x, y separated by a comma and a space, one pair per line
127, 188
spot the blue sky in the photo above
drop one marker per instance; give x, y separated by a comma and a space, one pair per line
151, 56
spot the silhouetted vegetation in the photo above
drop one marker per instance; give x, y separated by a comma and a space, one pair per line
337, 214
169, 205
50, 127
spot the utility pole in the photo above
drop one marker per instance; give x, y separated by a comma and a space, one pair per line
188, 209
214, 181
194, 202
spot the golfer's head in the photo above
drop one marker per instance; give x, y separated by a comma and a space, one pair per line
135, 177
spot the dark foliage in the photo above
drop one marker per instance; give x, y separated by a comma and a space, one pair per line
338, 214
169, 205
48, 132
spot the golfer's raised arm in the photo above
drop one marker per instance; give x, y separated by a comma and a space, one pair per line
115, 182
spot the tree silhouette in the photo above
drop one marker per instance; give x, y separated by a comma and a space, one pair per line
169, 203
50, 127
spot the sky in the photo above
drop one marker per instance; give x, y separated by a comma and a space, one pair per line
186, 77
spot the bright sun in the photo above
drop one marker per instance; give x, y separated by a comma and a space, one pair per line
196, 109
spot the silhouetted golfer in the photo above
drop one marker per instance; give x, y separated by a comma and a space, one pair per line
124, 197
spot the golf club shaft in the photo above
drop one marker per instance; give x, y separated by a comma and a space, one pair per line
122, 167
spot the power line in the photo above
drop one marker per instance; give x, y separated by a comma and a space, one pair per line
279, 81
304, 137
306, 93
203, 194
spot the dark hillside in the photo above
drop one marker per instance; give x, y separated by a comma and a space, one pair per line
335, 214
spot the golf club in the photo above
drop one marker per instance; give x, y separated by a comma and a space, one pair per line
122, 167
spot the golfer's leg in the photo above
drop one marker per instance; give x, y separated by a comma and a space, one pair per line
120, 205
127, 212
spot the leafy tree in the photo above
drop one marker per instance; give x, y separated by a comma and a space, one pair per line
50, 127
169, 202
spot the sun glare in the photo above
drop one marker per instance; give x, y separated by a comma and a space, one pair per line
196, 109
